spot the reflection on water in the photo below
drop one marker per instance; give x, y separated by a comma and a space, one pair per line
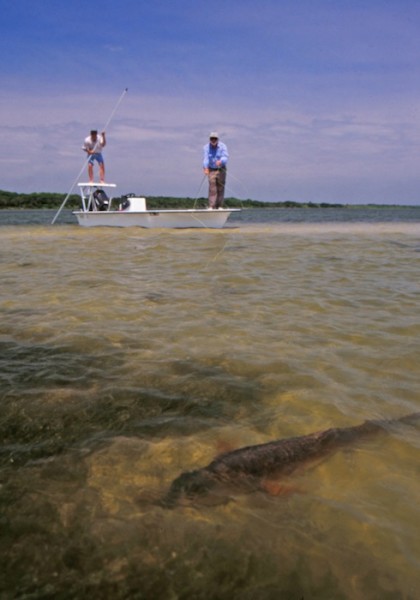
130, 356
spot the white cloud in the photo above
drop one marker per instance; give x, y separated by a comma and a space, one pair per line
155, 147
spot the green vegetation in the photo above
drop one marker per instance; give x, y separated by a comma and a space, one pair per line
36, 200
13, 200
156, 202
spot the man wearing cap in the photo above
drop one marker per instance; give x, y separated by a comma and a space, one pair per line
93, 147
214, 165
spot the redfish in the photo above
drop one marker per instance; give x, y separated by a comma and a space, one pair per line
246, 468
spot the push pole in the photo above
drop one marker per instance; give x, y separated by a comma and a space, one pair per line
114, 110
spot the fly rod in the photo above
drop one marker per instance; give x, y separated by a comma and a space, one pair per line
114, 110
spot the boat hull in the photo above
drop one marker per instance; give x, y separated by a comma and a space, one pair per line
174, 219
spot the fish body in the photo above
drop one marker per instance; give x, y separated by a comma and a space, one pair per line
245, 468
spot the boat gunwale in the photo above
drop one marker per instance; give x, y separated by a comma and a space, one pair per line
157, 211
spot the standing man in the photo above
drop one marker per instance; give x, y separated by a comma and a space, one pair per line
93, 147
214, 165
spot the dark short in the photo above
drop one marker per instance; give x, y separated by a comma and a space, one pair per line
96, 156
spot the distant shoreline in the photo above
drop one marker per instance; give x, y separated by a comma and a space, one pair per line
48, 200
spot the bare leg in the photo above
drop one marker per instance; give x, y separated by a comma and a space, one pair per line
90, 171
102, 172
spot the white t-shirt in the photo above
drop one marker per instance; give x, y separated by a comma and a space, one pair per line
90, 144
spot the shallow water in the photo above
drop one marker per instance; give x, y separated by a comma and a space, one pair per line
129, 356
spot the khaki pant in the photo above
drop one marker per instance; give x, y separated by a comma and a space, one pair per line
217, 181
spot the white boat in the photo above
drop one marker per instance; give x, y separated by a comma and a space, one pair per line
100, 210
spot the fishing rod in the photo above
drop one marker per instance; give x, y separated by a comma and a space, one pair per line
114, 110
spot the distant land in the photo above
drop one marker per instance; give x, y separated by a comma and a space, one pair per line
15, 200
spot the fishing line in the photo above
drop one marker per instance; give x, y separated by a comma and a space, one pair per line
198, 191
215, 257
229, 189
245, 189
114, 110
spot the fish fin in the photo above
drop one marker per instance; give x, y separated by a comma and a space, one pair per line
223, 447
277, 488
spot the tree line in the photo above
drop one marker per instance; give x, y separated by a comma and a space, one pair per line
15, 200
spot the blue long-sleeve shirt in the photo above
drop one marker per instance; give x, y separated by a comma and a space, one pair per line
214, 153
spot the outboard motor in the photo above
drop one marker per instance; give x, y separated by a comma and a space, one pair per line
100, 199
125, 204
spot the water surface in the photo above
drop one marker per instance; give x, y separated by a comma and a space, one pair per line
129, 356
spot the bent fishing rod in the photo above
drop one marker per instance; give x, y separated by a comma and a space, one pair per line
114, 110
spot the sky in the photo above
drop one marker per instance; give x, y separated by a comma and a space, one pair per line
316, 100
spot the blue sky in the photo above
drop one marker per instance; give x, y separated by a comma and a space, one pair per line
316, 100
